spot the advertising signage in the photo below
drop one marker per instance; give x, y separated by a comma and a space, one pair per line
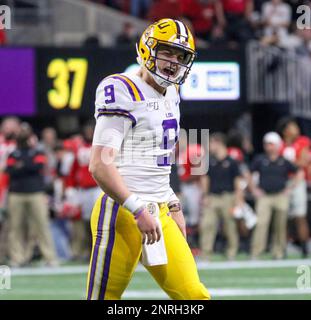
52, 81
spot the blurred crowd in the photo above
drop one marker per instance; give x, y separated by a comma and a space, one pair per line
223, 22
245, 202
46, 194
217, 23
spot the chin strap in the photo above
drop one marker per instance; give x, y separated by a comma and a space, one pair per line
161, 82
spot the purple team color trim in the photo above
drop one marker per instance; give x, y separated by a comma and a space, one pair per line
127, 85
138, 213
97, 244
17, 76
139, 92
116, 112
109, 251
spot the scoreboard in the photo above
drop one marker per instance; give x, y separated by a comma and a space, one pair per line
67, 78
51, 81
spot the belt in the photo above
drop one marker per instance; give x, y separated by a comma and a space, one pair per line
273, 193
162, 204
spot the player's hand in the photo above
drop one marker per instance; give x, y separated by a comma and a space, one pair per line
148, 227
179, 218
258, 193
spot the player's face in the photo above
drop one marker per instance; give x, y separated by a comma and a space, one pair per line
170, 59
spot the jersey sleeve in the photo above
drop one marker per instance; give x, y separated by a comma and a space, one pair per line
114, 99
113, 113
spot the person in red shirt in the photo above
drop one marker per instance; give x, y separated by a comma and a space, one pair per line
296, 149
189, 160
9, 129
238, 15
3, 39
88, 192
27, 202
308, 170
164, 8
204, 16
238, 7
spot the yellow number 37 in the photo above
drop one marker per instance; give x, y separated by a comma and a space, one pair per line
62, 95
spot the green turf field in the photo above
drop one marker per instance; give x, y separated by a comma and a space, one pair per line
225, 280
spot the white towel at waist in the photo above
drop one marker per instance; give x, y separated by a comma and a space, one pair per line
154, 254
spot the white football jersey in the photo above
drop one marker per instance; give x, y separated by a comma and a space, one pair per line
151, 129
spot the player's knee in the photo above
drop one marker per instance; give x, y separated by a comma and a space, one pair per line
199, 293
195, 292
112, 296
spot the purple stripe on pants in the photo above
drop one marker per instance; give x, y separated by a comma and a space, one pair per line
97, 244
109, 251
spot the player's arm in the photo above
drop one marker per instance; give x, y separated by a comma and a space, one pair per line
106, 174
108, 178
177, 213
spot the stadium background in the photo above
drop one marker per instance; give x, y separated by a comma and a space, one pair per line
98, 37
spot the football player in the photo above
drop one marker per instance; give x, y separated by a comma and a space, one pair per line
137, 126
